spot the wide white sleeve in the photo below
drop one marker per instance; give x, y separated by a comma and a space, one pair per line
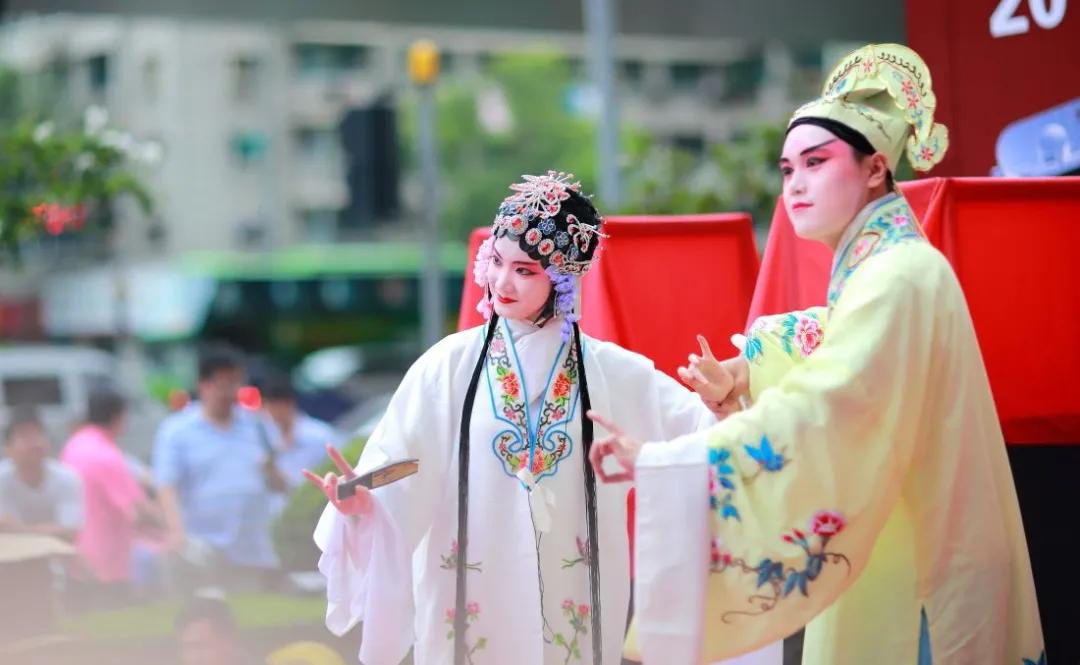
681, 410
368, 562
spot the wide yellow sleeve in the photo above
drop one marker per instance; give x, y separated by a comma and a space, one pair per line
802, 482
776, 343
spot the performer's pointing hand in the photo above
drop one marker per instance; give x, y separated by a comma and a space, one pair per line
623, 448
720, 384
358, 504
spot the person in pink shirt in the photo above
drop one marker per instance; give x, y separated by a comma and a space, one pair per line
114, 501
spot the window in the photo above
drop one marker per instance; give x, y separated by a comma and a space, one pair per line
249, 147
744, 77
633, 72
686, 75
329, 61
97, 69
245, 79
691, 143
318, 146
32, 391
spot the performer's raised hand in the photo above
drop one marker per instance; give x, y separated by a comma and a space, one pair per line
720, 384
625, 449
359, 504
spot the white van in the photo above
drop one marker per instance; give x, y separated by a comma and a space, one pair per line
56, 380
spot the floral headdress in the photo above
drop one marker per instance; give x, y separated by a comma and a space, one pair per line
556, 225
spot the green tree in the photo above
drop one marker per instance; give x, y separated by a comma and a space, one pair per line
56, 178
540, 131
737, 175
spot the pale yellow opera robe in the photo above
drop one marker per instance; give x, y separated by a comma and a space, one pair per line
865, 493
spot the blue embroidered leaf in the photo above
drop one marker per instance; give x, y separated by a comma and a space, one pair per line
726, 483
763, 569
802, 584
730, 511
813, 566
789, 586
717, 455
753, 348
778, 570
725, 468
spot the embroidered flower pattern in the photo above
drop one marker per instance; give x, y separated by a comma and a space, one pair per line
540, 450
562, 386
450, 560
472, 613
577, 615
775, 580
909, 91
722, 485
864, 244
768, 460
510, 386
582, 554
1041, 660
883, 231
808, 335
797, 331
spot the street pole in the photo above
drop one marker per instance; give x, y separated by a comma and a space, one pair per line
424, 72
600, 33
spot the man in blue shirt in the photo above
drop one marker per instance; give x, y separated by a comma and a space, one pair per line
301, 439
213, 466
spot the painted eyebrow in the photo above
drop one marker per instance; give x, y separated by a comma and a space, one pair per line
810, 149
529, 264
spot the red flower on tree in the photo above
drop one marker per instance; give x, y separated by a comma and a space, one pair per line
56, 217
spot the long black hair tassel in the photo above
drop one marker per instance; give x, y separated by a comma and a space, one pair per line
463, 499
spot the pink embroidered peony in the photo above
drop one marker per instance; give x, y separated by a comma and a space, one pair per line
510, 385
808, 335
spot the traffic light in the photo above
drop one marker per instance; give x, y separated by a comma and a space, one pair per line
369, 141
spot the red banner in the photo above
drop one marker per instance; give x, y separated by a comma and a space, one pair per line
995, 62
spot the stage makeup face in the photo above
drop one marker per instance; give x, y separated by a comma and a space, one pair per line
519, 286
824, 183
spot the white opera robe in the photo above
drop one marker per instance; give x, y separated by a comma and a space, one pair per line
528, 593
